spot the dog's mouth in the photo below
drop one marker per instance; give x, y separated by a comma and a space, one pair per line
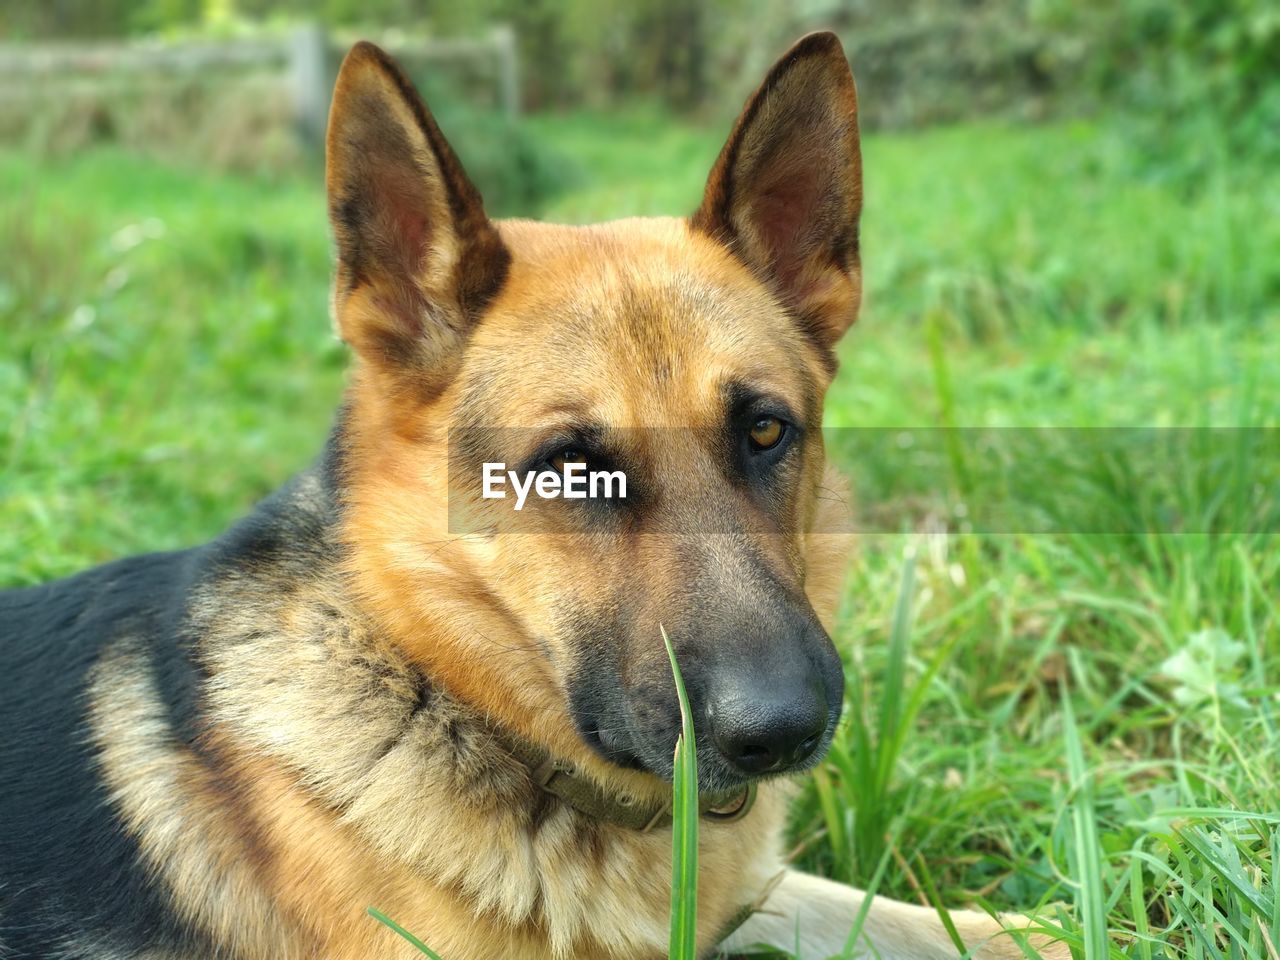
613, 749
626, 746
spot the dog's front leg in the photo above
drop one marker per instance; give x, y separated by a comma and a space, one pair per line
813, 917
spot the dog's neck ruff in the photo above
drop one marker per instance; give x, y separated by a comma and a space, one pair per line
562, 780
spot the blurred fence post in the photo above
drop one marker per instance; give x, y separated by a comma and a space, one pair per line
304, 62
312, 72
504, 42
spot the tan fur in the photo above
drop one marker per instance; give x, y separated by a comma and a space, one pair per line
455, 853
168, 800
353, 687
435, 600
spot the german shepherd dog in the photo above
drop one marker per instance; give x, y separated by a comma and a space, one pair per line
232, 751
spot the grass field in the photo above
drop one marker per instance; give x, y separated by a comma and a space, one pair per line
1091, 719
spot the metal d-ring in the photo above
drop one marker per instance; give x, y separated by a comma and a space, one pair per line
742, 805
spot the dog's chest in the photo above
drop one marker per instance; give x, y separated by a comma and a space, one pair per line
333, 780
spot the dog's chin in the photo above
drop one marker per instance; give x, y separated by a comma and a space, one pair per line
718, 775
637, 751
715, 773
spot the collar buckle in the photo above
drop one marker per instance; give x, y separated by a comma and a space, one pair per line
561, 779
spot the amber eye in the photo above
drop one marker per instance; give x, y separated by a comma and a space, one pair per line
766, 433
568, 455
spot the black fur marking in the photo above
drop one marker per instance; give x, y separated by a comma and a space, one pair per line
426, 696
68, 869
350, 214
597, 694
332, 467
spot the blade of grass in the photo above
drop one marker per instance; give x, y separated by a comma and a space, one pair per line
386, 921
1138, 910
833, 816
684, 834
931, 892
895, 672
1084, 836
868, 895
1228, 869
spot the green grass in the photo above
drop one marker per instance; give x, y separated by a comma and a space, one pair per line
402, 933
1088, 720
684, 829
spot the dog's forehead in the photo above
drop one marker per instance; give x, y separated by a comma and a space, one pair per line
643, 321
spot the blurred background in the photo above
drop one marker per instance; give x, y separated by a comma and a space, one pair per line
1073, 220
220, 81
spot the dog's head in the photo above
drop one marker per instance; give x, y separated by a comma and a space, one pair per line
690, 355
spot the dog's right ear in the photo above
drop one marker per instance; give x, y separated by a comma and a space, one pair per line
786, 193
418, 259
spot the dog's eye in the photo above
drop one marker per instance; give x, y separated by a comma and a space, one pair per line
766, 433
567, 455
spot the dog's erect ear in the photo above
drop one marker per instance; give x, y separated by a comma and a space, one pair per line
786, 192
417, 258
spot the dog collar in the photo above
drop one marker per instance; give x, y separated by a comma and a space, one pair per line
563, 781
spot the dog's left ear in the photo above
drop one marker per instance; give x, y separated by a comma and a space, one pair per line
786, 193
418, 259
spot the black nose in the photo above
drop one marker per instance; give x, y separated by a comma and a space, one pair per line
763, 728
